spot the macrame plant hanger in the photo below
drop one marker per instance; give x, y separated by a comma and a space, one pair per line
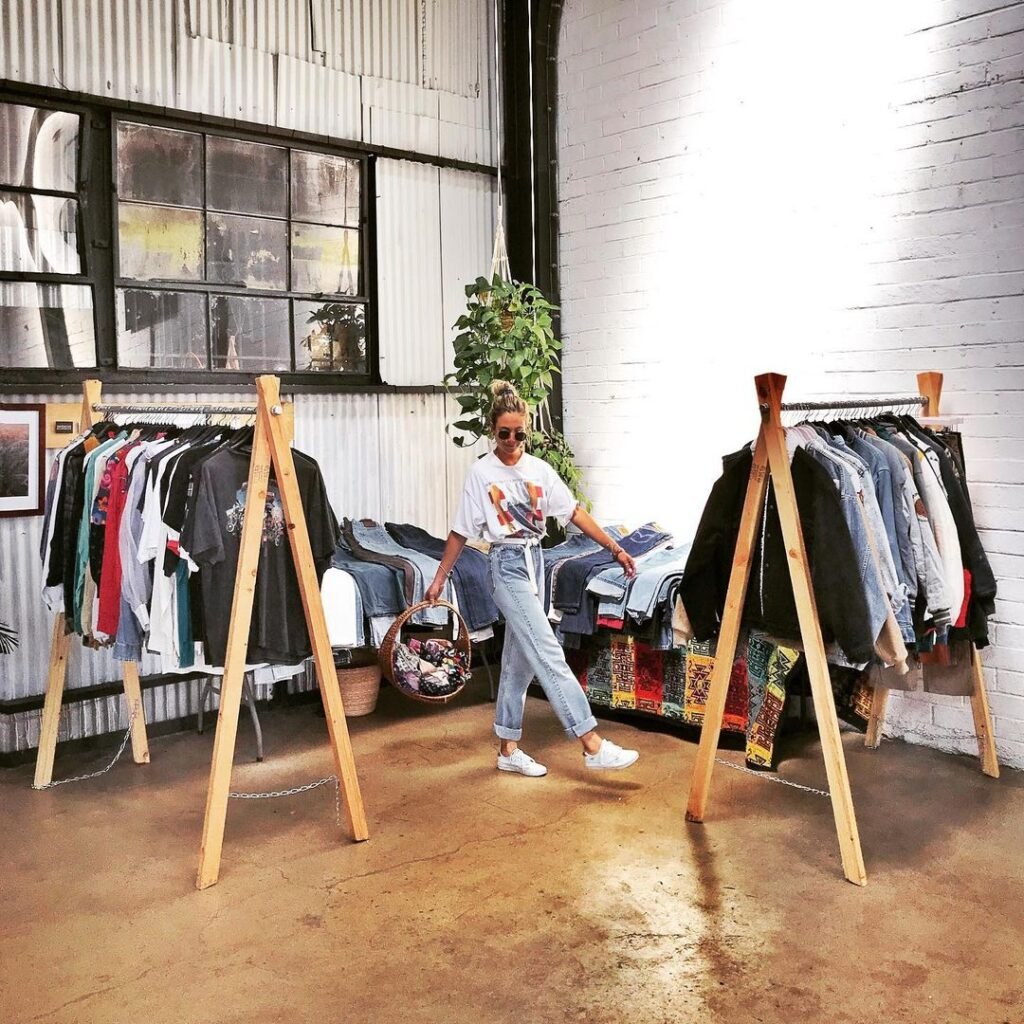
499, 256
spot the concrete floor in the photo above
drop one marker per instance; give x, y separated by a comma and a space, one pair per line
483, 897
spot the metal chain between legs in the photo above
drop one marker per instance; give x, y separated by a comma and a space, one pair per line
295, 791
103, 771
934, 732
771, 778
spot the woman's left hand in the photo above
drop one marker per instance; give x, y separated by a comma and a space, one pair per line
626, 561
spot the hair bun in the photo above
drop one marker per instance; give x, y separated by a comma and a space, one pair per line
502, 387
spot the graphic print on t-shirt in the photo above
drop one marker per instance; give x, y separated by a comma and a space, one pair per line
523, 512
273, 514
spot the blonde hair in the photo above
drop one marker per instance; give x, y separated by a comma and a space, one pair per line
505, 399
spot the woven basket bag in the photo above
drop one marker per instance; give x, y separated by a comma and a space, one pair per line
386, 654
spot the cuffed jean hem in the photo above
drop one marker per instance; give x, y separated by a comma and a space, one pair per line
588, 724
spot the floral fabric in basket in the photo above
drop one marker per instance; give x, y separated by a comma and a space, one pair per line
433, 667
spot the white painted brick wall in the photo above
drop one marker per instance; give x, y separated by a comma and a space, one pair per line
831, 192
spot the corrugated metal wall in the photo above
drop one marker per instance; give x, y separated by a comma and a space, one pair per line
382, 38
119, 48
30, 41
467, 243
311, 98
421, 69
435, 232
413, 74
226, 79
409, 272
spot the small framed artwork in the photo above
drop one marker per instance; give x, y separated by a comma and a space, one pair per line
22, 459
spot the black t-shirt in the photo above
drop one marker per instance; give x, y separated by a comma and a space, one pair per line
278, 633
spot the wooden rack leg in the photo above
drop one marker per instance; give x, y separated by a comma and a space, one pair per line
930, 387
298, 536
769, 391
133, 698
728, 635
50, 724
983, 718
234, 662
876, 720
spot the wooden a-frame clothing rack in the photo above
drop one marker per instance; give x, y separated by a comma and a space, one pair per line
60, 647
91, 414
771, 458
270, 447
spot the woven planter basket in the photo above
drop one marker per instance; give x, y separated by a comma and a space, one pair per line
360, 688
386, 655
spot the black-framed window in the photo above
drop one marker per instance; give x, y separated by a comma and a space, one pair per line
46, 297
161, 250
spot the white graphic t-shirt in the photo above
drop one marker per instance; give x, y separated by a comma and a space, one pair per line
502, 502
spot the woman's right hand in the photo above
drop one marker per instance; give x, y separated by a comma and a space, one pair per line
434, 590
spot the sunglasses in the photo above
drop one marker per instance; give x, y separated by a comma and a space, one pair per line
506, 432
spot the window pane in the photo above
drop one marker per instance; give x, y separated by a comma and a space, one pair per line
38, 148
250, 251
46, 325
325, 260
160, 243
250, 334
161, 330
325, 188
245, 177
159, 165
38, 234
330, 337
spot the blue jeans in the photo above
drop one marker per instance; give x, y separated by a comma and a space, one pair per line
376, 538
379, 586
469, 574
531, 649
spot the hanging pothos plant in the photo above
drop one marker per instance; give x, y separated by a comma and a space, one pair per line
506, 333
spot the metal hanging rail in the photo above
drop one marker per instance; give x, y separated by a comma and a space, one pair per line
863, 403
237, 410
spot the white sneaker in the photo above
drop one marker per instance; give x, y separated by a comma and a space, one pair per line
610, 756
521, 763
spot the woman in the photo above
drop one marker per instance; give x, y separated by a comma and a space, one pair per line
506, 500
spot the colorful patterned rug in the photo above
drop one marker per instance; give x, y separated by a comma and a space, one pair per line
621, 672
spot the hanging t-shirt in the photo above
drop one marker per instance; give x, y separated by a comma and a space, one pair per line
502, 502
212, 535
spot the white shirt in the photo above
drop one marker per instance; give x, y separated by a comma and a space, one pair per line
338, 596
502, 502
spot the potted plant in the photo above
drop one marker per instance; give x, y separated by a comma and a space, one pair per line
337, 342
506, 333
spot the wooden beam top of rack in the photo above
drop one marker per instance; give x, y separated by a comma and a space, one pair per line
769, 393
930, 386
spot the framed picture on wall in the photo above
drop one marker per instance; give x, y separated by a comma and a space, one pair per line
22, 460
